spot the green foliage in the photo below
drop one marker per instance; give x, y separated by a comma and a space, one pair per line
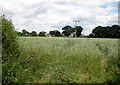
107, 32
34, 33
0, 52
68, 60
91, 35
10, 50
24, 32
67, 30
78, 31
55, 33
42, 33
51, 32
20, 34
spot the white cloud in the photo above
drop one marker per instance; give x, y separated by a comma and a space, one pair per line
19, 28
45, 15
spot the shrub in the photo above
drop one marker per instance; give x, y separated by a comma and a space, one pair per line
10, 50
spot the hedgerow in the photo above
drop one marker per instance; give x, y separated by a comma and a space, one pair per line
10, 50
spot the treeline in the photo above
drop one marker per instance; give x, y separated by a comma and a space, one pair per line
55, 33
106, 32
67, 31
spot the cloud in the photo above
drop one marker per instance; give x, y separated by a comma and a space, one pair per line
45, 15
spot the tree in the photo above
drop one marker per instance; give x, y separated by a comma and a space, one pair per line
78, 31
67, 30
34, 33
24, 32
42, 33
116, 30
55, 33
52, 33
91, 35
97, 31
20, 34
107, 32
10, 50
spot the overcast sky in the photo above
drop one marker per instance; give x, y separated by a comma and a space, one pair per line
46, 15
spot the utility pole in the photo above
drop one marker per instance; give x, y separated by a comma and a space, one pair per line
75, 27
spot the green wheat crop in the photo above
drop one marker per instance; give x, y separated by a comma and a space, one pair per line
67, 60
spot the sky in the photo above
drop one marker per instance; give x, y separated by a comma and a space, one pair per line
47, 15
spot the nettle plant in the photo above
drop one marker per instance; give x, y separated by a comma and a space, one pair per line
10, 49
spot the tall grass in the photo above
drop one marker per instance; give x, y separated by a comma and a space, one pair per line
67, 60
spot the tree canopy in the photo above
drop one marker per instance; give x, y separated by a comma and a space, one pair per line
55, 33
67, 30
24, 32
34, 33
42, 33
107, 32
78, 31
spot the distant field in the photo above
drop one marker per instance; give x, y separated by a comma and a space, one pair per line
67, 60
